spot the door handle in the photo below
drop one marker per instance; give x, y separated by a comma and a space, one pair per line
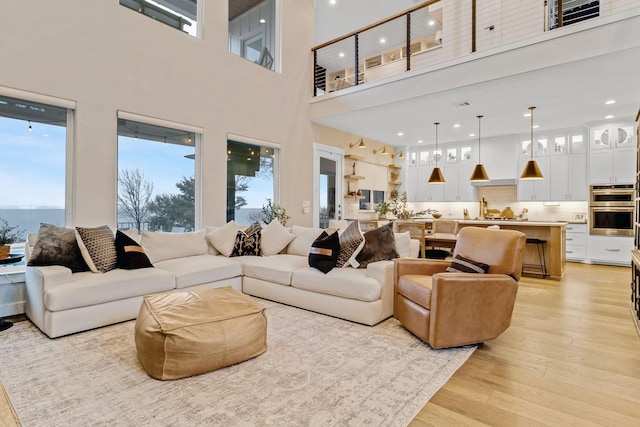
612, 250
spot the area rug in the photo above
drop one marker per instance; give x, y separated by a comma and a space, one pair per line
317, 371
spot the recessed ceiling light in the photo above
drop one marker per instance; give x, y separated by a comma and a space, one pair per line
432, 22
472, 134
457, 125
611, 101
609, 117
526, 115
332, 2
262, 20
420, 141
400, 133
341, 54
536, 126
383, 40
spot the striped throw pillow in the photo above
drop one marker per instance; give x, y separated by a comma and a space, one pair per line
461, 264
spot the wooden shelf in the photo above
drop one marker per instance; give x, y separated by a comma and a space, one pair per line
353, 157
395, 182
354, 177
394, 167
354, 197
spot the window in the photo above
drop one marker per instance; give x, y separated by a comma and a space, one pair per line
251, 178
252, 30
33, 141
156, 177
179, 14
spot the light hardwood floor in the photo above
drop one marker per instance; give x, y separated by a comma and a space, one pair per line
570, 358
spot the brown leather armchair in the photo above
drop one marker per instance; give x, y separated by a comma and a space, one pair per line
454, 309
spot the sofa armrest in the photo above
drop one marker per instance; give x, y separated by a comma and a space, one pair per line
470, 308
428, 267
38, 280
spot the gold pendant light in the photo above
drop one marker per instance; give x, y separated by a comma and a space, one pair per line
436, 174
479, 173
531, 169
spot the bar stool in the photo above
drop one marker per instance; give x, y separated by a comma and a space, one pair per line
542, 264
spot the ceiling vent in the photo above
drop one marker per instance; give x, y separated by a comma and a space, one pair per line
462, 104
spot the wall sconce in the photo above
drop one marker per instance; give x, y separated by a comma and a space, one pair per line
360, 143
383, 149
531, 169
400, 155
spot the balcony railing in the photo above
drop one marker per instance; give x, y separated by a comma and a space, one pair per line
438, 31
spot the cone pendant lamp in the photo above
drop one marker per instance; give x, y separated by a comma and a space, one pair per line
479, 173
531, 169
436, 176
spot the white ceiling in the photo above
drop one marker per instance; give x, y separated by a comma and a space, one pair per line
572, 93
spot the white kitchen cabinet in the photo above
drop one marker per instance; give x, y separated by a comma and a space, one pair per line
612, 155
568, 177
576, 242
417, 187
535, 189
457, 187
610, 249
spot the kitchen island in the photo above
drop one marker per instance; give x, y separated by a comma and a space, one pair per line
553, 232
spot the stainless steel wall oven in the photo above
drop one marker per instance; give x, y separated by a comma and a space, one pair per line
611, 209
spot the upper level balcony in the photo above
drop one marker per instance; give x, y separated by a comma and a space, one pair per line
445, 45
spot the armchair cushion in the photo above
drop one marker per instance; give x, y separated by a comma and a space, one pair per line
462, 264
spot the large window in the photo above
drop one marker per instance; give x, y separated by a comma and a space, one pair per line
156, 177
251, 172
252, 30
179, 14
33, 141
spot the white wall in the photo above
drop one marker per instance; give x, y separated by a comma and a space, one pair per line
107, 58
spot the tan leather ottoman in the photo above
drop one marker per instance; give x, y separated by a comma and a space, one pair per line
179, 334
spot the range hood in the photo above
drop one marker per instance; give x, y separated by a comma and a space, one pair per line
495, 183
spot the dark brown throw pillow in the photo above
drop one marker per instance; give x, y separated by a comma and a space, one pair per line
379, 245
130, 254
461, 264
248, 241
324, 251
57, 246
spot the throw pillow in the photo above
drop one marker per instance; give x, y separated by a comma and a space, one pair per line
98, 248
57, 246
461, 264
305, 236
248, 241
403, 244
275, 237
379, 245
130, 254
223, 238
351, 243
324, 251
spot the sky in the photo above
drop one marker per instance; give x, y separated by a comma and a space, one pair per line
32, 166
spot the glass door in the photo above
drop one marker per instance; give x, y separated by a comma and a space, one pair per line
328, 168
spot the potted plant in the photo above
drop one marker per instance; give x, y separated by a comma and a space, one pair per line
274, 211
382, 210
8, 235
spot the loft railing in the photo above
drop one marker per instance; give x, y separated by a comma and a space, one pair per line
438, 31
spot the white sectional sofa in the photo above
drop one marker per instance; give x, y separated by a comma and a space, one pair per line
60, 302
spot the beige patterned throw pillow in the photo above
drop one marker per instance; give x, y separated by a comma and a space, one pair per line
98, 248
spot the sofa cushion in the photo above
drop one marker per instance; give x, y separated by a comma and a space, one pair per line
275, 237
276, 268
324, 252
379, 245
86, 289
57, 246
247, 241
351, 243
98, 248
223, 238
303, 240
130, 254
163, 246
200, 269
349, 283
